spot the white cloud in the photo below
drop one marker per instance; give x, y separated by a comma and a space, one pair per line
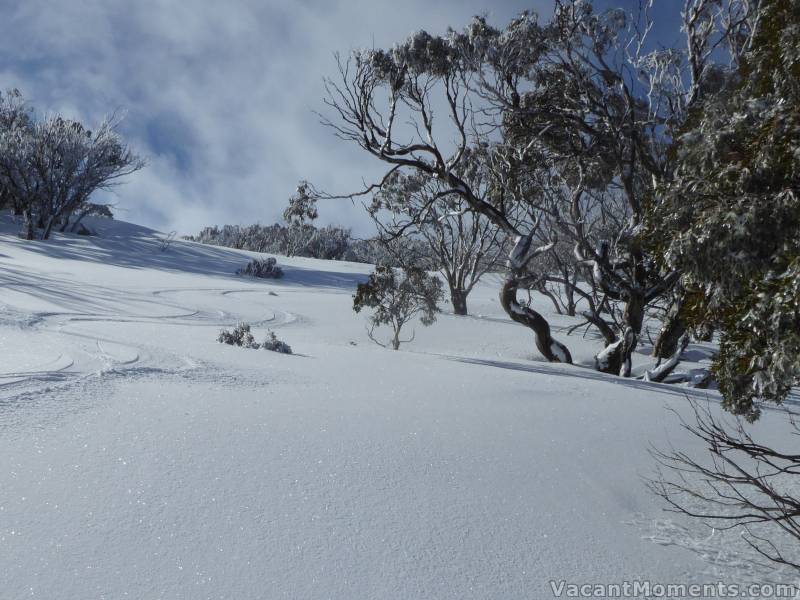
219, 95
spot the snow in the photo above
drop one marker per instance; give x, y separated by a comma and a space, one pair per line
558, 352
142, 459
604, 355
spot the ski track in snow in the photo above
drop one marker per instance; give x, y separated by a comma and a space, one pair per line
145, 460
142, 361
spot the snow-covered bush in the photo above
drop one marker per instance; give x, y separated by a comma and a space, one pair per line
265, 268
50, 167
327, 243
240, 336
275, 345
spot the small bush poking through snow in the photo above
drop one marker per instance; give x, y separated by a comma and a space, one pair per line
240, 336
273, 343
262, 267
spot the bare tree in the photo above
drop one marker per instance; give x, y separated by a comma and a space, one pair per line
740, 483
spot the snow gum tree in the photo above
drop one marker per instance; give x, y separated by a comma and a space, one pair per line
404, 81
732, 212
578, 105
397, 296
50, 168
14, 114
463, 245
300, 213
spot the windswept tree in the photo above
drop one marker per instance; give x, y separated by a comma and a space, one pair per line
380, 90
596, 218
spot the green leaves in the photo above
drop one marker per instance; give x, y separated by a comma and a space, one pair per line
398, 295
732, 213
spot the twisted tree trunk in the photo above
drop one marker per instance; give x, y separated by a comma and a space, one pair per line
551, 349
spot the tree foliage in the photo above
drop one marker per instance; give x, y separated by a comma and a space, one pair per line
461, 244
571, 121
302, 207
49, 168
264, 268
327, 243
397, 296
732, 214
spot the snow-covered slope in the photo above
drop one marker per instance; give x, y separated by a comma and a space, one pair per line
141, 459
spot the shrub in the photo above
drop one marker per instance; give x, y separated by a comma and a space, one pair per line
328, 243
265, 268
240, 336
273, 343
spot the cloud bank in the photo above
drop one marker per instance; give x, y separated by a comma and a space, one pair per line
219, 96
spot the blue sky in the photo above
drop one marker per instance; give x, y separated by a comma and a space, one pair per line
219, 94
